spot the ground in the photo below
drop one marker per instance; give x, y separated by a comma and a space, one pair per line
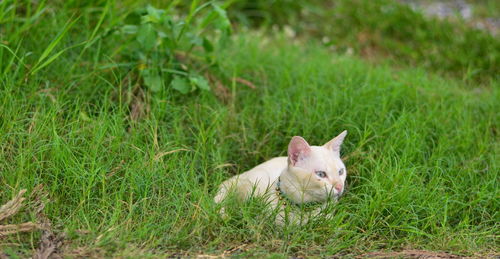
112, 168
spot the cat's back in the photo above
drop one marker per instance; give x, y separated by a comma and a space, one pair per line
259, 179
270, 169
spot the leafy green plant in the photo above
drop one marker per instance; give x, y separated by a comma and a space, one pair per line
168, 48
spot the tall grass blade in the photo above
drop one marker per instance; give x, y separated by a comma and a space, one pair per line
52, 46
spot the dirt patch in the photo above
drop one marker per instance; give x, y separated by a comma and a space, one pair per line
453, 9
49, 246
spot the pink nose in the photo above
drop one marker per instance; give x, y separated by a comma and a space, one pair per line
338, 187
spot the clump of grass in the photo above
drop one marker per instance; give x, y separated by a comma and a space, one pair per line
422, 151
380, 30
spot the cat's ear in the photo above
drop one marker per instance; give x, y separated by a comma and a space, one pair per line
335, 143
298, 149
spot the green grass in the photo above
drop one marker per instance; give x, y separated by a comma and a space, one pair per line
387, 30
422, 150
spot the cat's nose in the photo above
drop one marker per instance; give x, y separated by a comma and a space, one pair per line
339, 187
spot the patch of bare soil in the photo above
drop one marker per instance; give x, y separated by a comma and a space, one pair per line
453, 9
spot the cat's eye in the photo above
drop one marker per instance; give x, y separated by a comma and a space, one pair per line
321, 174
341, 171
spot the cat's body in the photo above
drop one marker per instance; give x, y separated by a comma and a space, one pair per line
308, 174
257, 180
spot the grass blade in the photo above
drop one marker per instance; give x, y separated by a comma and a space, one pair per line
52, 45
54, 57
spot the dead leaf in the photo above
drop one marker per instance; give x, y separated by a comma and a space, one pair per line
221, 91
10, 229
245, 82
12, 207
138, 106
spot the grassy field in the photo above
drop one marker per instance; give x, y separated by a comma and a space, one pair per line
128, 172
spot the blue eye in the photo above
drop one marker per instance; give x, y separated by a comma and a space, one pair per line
341, 171
321, 174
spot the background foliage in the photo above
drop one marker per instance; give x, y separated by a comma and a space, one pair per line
131, 113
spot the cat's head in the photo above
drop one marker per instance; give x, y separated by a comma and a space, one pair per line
317, 171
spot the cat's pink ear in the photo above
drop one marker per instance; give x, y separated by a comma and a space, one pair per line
335, 143
298, 149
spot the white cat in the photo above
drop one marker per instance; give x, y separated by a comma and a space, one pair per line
309, 174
